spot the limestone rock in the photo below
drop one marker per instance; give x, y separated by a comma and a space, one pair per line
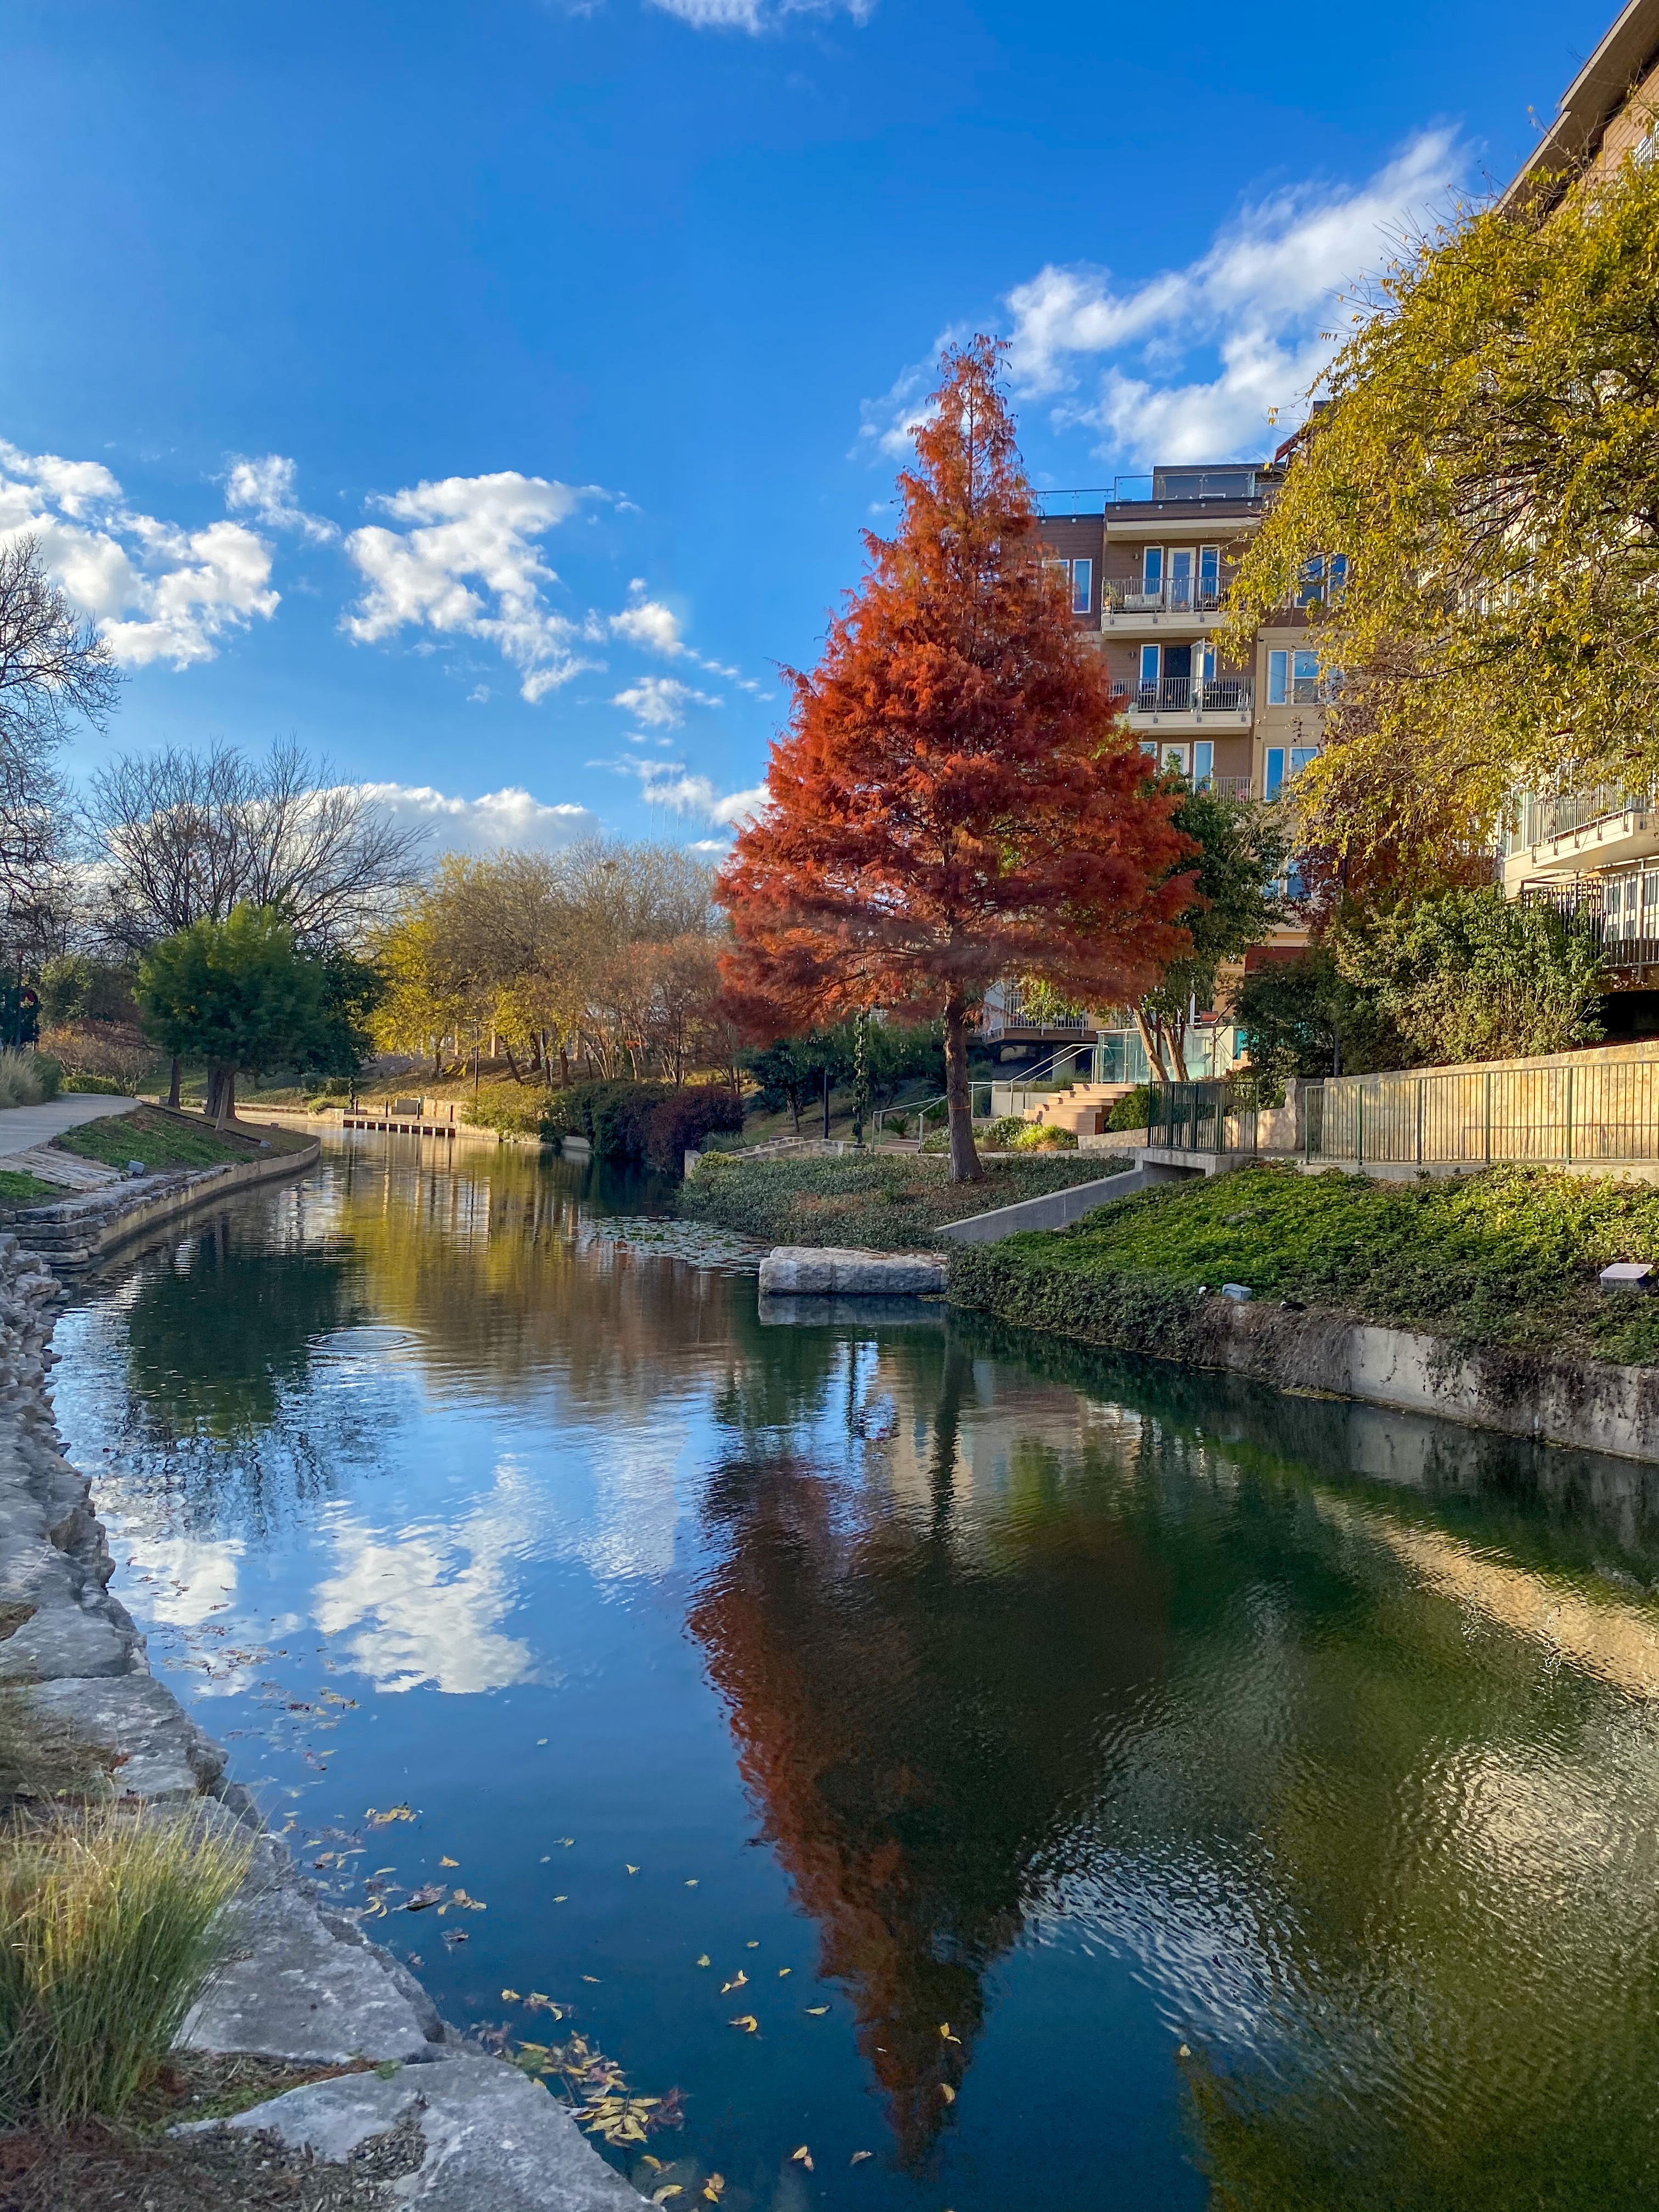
159, 1750
833, 1270
496, 2141
63, 1640
298, 1992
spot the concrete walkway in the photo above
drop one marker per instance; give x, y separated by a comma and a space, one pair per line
23, 1128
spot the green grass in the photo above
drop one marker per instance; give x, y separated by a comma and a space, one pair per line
17, 1189
158, 1140
886, 1201
1509, 1257
109, 1926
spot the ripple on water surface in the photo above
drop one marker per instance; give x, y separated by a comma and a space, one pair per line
994, 1774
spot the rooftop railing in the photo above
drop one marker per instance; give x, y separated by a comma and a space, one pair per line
1544, 820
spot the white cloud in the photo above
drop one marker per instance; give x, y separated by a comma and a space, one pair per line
654, 628
1213, 348
756, 15
891, 423
508, 816
660, 702
265, 489
470, 565
159, 592
663, 783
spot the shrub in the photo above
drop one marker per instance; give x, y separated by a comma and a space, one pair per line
681, 1122
25, 1077
511, 1109
1134, 1110
1044, 1137
117, 1052
95, 1086
109, 1924
1003, 1133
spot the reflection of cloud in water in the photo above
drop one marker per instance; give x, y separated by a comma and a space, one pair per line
636, 1504
425, 1604
181, 1579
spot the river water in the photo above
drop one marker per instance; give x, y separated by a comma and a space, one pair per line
1097, 1784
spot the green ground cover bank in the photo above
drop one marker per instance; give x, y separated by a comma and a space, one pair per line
1508, 1257
885, 1201
160, 1141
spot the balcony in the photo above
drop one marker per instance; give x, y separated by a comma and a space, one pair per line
1178, 699
1129, 600
1619, 913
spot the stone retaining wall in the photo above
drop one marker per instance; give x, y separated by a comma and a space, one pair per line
304, 1984
70, 1233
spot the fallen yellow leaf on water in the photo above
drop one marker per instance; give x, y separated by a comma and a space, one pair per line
818, 2011
736, 1982
692, 1883
782, 1971
947, 2092
655, 2164
590, 1977
753, 1945
944, 2030
511, 1997
673, 2189
631, 1870
562, 1900
703, 1961
859, 2156
1185, 2051
747, 2022
801, 2157
712, 2186
567, 1841
449, 1863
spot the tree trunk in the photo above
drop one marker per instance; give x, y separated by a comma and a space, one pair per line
564, 1069
1151, 1038
512, 1064
958, 1098
172, 1087
222, 1095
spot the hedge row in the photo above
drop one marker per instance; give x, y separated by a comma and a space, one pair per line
649, 1123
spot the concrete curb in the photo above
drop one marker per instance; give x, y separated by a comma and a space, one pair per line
1058, 1210
70, 1234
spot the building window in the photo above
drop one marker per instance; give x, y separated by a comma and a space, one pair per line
1175, 757
1151, 570
1279, 679
1149, 746
1083, 584
1209, 575
1300, 756
1149, 676
1275, 771
1203, 763
1181, 579
1304, 679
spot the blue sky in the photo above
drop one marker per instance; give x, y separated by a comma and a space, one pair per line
490, 396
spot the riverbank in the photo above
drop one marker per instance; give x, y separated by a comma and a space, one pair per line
1476, 1297
882, 1201
305, 1998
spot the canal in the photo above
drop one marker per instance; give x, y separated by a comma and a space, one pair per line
997, 1775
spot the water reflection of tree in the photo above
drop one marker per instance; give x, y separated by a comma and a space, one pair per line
1263, 1721
915, 1718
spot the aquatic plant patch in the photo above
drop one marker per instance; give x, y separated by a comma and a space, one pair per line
884, 1202
1510, 1256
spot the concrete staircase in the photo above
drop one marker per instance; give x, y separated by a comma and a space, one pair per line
1081, 1109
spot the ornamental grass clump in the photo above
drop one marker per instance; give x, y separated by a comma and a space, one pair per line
110, 1926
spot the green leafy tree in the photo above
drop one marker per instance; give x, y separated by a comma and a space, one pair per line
1485, 465
1470, 975
235, 993
1241, 854
352, 991
1303, 1016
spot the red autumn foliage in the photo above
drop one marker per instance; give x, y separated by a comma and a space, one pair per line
956, 799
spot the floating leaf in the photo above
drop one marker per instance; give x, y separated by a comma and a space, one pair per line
472, 1903
859, 2157
947, 2092
801, 2157
753, 1944
1185, 2051
692, 1883
562, 1900
431, 1892
747, 2022
633, 1870
511, 1997
736, 1982
712, 2186
449, 1863
782, 1971
662, 2195
566, 1840
590, 1977
944, 2030
703, 1960
818, 2011
391, 1812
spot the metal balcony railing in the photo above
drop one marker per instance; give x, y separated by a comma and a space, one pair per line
1543, 820
1175, 595
1619, 913
1179, 695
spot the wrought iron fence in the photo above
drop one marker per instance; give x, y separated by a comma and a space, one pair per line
1473, 1117
1222, 1117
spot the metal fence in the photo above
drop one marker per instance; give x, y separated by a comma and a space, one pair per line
1207, 1117
1477, 1116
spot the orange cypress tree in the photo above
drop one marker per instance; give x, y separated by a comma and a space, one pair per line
955, 800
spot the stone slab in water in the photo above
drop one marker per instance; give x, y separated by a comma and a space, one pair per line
496, 2141
833, 1270
159, 1750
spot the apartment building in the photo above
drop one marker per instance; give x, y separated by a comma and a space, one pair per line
1594, 854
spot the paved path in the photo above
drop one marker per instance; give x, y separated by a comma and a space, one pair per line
22, 1127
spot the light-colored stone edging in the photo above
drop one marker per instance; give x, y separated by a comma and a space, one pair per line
72, 1233
1590, 1405
304, 1984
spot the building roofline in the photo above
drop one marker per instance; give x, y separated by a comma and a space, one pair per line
1589, 103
